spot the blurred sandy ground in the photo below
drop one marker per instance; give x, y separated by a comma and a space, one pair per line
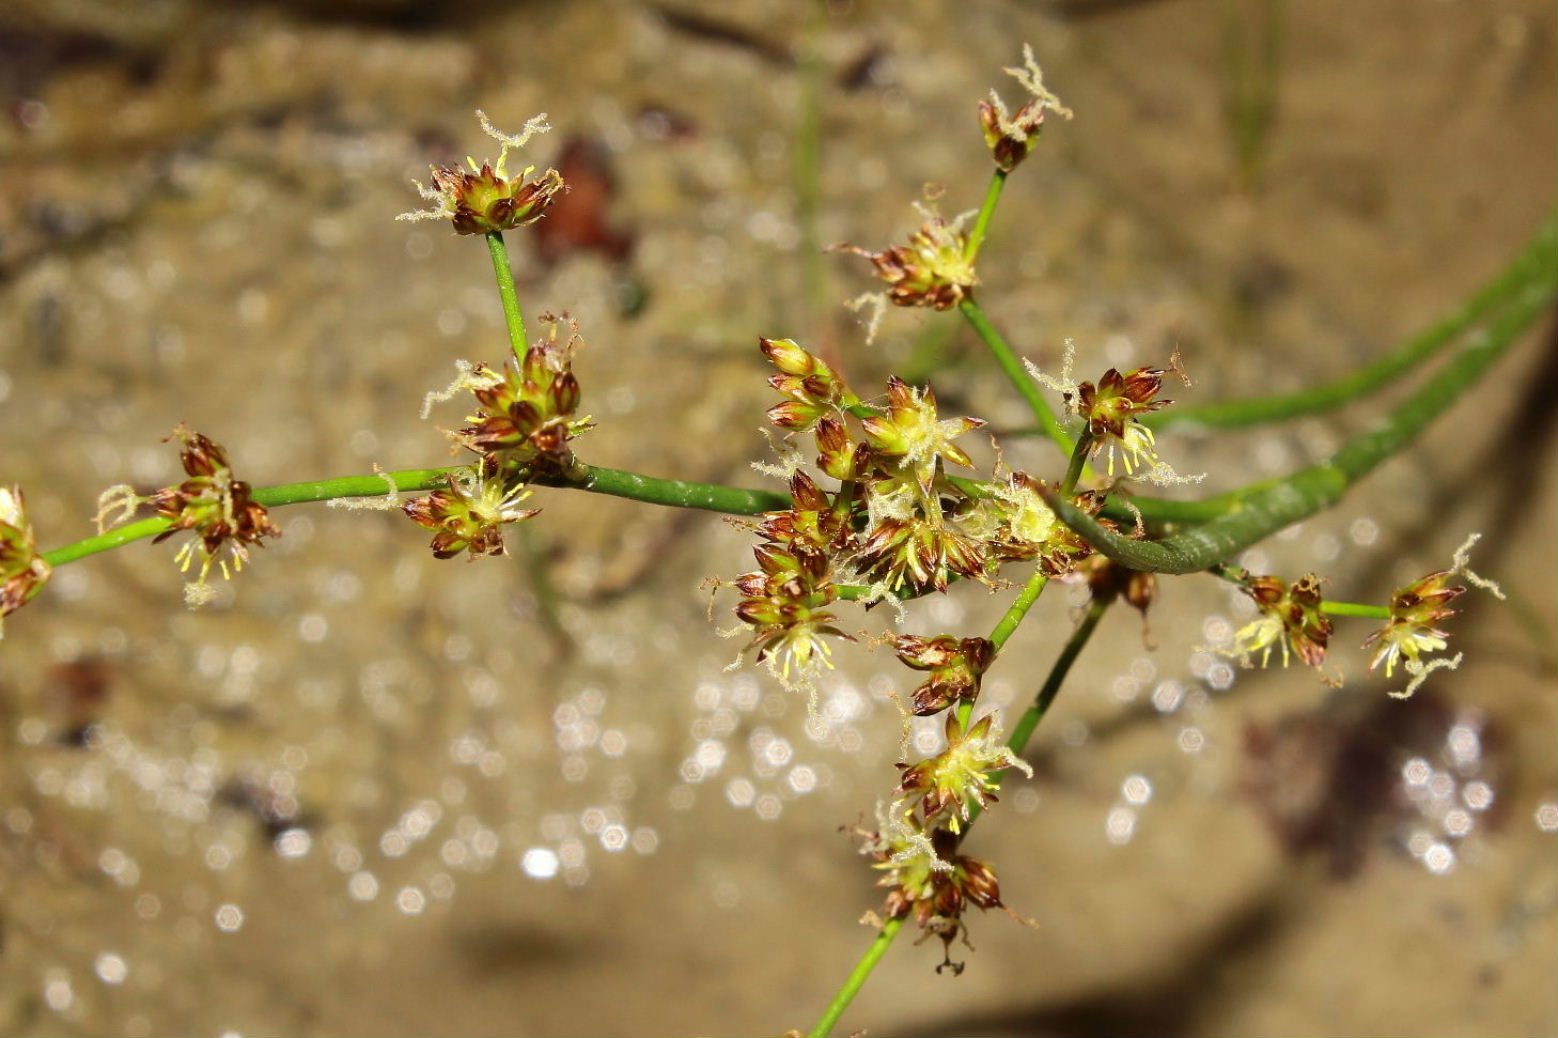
376, 759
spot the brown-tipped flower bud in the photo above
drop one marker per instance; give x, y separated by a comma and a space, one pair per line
23, 572
956, 666
815, 391
1011, 137
837, 453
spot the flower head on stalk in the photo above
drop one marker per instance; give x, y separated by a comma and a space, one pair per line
948, 785
1415, 613
485, 198
527, 413
933, 269
1112, 409
926, 877
220, 510
470, 514
23, 572
1289, 615
1011, 137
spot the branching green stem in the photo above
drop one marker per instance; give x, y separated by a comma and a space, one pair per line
1003, 631
513, 316
614, 482
1537, 263
1057, 676
1252, 515
1017, 743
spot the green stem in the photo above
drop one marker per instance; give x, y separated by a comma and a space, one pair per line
513, 316
976, 237
1018, 375
675, 493
1057, 676
1250, 516
613, 482
1018, 743
1084, 443
1374, 612
857, 978
1019, 609
1537, 263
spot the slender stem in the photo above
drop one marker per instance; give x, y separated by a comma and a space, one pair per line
513, 316
114, 538
1537, 263
1084, 444
1019, 609
676, 493
613, 482
1057, 676
857, 978
1259, 513
976, 237
1018, 375
1375, 612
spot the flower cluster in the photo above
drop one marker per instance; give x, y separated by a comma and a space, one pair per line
1416, 611
1010, 137
927, 878
935, 268
220, 509
1111, 410
946, 787
470, 514
897, 523
523, 427
527, 414
1289, 616
485, 199
916, 840
23, 572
